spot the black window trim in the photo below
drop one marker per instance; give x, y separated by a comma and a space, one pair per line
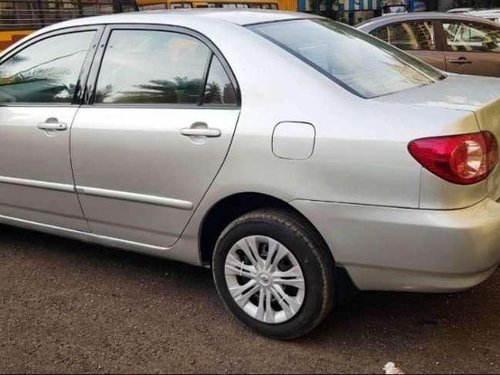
91, 82
84, 71
206, 73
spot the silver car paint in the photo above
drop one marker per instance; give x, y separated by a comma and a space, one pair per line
360, 187
417, 250
472, 103
37, 182
141, 151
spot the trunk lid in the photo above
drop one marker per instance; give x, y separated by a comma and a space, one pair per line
460, 92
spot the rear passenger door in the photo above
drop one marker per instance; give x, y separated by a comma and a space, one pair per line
472, 48
415, 37
152, 137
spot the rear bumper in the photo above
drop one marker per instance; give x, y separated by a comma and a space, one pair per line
410, 249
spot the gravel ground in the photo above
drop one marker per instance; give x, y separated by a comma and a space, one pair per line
67, 306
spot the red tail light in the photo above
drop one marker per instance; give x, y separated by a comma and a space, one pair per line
462, 159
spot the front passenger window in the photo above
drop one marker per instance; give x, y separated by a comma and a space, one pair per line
46, 71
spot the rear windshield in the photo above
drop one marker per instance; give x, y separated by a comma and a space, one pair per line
357, 61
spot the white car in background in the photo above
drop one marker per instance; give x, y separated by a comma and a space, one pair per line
489, 14
459, 10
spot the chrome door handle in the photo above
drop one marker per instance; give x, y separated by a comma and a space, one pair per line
461, 60
52, 124
201, 132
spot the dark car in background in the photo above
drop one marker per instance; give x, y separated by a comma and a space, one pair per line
452, 42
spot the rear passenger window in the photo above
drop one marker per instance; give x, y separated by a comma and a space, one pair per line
46, 71
152, 67
471, 37
218, 90
408, 35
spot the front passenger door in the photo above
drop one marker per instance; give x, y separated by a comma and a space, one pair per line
151, 141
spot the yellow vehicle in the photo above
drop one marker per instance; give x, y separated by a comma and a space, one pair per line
9, 37
19, 18
177, 4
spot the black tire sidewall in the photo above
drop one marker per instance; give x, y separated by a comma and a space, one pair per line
310, 260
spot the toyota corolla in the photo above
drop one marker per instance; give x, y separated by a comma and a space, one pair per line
293, 155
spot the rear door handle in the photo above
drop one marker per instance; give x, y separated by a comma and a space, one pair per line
52, 124
201, 132
460, 60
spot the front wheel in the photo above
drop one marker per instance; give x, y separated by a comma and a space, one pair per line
274, 274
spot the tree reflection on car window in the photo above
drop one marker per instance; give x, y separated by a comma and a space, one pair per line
45, 72
219, 89
147, 66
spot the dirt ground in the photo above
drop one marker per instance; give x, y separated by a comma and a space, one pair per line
67, 306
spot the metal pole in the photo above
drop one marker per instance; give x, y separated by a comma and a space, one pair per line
329, 8
41, 13
116, 6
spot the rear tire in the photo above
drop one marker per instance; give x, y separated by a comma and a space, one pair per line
274, 274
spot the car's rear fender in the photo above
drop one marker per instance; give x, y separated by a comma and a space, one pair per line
476, 102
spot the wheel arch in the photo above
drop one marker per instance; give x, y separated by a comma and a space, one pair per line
231, 207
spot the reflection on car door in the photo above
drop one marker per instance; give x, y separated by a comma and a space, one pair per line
472, 48
38, 83
415, 37
156, 133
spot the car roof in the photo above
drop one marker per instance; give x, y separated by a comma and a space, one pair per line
235, 16
384, 20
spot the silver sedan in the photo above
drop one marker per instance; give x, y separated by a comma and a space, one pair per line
294, 155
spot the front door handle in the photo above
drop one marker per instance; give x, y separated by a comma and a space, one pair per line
52, 124
460, 60
201, 132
